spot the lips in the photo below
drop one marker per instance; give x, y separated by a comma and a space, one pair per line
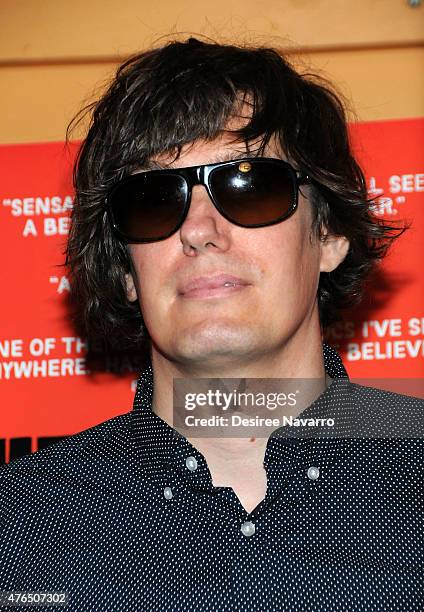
205, 284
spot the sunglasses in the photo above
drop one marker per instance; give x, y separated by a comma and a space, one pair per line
249, 192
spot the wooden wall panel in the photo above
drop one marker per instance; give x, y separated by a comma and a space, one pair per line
35, 29
54, 56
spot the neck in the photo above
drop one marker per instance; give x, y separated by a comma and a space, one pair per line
290, 360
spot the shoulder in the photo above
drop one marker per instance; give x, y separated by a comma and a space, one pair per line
385, 414
75, 462
382, 397
72, 446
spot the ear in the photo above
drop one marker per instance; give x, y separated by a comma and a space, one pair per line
333, 251
131, 290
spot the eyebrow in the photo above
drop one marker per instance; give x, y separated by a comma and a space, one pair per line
230, 155
219, 157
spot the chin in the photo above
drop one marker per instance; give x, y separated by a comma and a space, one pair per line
217, 343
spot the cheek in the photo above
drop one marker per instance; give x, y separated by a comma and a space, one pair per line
291, 261
149, 263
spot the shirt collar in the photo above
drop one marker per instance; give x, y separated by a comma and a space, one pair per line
155, 440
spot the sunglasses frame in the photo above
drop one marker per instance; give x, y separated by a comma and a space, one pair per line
201, 175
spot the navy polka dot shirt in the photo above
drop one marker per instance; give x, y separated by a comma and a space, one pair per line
124, 517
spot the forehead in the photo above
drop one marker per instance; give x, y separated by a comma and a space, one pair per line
226, 146
223, 148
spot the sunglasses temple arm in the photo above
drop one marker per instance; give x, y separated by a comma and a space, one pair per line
302, 178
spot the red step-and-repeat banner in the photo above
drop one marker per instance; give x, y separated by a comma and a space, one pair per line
45, 389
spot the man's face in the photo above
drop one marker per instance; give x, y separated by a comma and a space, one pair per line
278, 267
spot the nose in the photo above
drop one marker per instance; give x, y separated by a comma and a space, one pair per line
204, 227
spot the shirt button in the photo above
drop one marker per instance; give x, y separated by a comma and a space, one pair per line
248, 528
168, 493
313, 473
191, 463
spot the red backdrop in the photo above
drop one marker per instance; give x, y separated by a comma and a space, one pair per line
45, 390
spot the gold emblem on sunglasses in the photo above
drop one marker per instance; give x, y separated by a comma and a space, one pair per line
245, 166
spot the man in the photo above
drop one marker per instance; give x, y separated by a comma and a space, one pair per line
222, 222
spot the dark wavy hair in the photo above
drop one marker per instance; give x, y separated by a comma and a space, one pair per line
183, 91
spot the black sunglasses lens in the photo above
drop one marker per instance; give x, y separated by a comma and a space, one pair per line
253, 192
148, 206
